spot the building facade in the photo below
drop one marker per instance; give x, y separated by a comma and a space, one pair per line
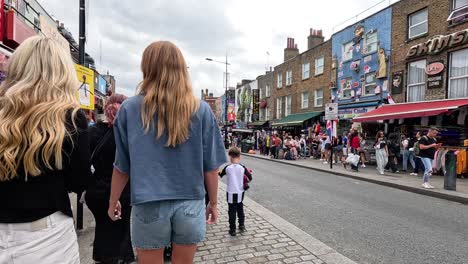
265, 86
430, 50
361, 55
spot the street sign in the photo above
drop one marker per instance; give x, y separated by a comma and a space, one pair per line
331, 111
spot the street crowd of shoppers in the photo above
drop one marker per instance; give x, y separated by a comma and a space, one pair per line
47, 151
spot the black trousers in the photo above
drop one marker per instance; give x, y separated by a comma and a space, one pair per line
236, 209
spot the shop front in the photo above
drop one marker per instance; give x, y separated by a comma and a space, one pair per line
296, 123
347, 112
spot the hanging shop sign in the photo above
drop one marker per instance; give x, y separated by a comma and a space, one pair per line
85, 91
397, 82
435, 68
435, 81
255, 105
437, 44
231, 109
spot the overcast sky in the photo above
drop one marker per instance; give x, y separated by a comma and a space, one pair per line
244, 29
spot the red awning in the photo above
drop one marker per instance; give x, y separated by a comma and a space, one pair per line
411, 110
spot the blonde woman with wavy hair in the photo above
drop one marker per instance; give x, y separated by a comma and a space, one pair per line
44, 154
169, 145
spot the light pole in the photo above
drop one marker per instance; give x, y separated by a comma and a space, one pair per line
226, 142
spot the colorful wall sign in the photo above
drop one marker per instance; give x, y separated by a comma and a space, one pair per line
397, 82
435, 68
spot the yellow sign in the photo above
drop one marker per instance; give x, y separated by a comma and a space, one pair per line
85, 92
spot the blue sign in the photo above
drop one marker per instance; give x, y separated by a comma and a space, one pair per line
102, 85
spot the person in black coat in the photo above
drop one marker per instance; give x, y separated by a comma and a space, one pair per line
112, 243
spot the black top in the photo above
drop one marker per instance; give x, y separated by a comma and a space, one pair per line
427, 153
40, 196
102, 144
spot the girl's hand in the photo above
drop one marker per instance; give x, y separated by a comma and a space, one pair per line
115, 211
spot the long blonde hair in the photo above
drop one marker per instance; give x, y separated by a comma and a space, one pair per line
167, 92
38, 92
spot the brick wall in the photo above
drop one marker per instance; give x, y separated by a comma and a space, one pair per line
438, 12
298, 85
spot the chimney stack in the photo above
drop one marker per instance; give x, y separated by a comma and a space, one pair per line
315, 38
291, 49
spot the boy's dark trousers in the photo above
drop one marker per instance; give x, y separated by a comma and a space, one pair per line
236, 208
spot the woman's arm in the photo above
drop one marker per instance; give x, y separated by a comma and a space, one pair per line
119, 181
211, 185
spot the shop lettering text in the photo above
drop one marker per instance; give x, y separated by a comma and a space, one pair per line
438, 44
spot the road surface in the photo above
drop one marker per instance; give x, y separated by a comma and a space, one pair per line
366, 222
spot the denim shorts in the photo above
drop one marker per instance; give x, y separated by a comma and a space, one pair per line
157, 224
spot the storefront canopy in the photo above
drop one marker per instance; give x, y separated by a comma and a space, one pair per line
411, 110
257, 124
295, 119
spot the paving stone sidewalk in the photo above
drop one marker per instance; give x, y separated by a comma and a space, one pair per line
269, 239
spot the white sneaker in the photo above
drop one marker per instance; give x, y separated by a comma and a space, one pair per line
321, 159
427, 186
325, 162
382, 173
430, 186
413, 174
363, 165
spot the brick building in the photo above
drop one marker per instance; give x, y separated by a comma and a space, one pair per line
265, 86
212, 102
301, 84
422, 35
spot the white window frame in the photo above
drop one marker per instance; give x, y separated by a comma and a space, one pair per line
305, 71
289, 77
454, 78
347, 51
304, 100
319, 65
316, 98
260, 91
279, 78
287, 105
267, 114
369, 84
420, 23
279, 107
267, 91
366, 43
344, 89
408, 86
454, 7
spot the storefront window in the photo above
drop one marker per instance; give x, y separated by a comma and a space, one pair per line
369, 87
417, 24
347, 51
459, 3
288, 106
279, 107
458, 83
305, 100
305, 71
319, 98
416, 81
370, 42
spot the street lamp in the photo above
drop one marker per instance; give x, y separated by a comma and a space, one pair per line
226, 142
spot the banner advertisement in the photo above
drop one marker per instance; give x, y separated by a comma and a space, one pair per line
85, 92
102, 85
255, 104
231, 110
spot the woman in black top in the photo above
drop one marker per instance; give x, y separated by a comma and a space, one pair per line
112, 239
44, 154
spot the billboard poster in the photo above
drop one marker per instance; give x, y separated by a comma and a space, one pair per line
85, 92
101, 85
255, 105
231, 110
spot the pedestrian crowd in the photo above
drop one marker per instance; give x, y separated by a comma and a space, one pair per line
391, 152
143, 166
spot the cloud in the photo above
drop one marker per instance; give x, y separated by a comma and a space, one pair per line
243, 29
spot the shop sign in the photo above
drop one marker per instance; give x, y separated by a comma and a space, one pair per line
435, 81
255, 103
397, 82
437, 44
331, 111
351, 113
85, 91
435, 68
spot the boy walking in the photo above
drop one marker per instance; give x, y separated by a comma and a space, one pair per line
235, 190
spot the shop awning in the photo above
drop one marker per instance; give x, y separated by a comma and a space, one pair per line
411, 110
295, 119
257, 124
242, 130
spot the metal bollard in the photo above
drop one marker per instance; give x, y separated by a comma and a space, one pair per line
450, 176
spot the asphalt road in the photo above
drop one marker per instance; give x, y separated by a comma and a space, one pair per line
366, 222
